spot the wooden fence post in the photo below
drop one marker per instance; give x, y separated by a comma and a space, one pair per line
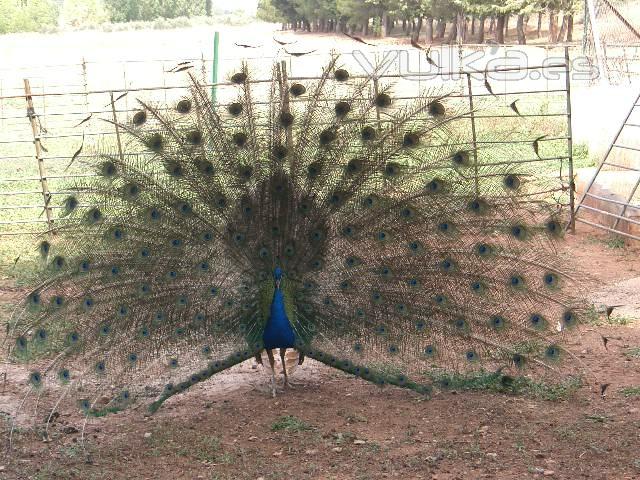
35, 128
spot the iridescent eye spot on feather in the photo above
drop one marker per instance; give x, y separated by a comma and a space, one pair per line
73, 338
70, 204
348, 231
131, 191
342, 109
415, 247
117, 234
155, 142
100, 367
264, 253
436, 186
341, 75
64, 375
297, 89
175, 243
58, 262
234, 109
569, 319
204, 266
94, 215
410, 140
358, 348
239, 139
400, 308
353, 167
289, 251
21, 343
537, 321
550, 280
173, 363
285, 119
429, 351
511, 182
313, 170
132, 358
440, 299
123, 311
115, 271
478, 287
420, 326
35, 379
553, 227
381, 330
172, 275
392, 170
461, 324
518, 360
34, 299
516, 282
108, 169
351, 262
407, 213
280, 152
497, 322
174, 169
393, 349
88, 303
368, 134
139, 118
436, 109
471, 356
159, 317
204, 166
483, 249
461, 159
183, 106
317, 264
346, 285
376, 297
317, 236
519, 232
327, 136
145, 332
385, 272
246, 172
41, 335
45, 248
552, 352
337, 199
447, 265
478, 206
239, 78
413, 282
382, 236
382, 100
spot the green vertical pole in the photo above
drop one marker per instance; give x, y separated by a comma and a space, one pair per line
214, 68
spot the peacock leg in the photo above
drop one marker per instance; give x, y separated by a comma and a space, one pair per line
272, 362
283, 352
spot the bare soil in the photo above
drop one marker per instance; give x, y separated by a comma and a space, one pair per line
338, 427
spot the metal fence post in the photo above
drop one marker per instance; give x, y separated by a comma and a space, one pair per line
473, 134
572, 184
31, 114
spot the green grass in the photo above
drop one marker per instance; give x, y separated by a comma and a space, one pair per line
631, 391
496, 382
289, 423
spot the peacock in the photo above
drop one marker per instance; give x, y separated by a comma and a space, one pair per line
325, 217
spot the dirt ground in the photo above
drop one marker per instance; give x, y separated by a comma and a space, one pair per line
336, 427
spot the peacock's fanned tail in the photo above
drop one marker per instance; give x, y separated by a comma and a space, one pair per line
405, 250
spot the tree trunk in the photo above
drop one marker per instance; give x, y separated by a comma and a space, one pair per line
473, 25
384, 24
430, 29
570, 28
365, 27
506, 25
522, 36
404, 25
416, 34
563, 28
207, 7
500, 29
440, 29
481, 29
553, 27
492, 24
454, 31
539, 23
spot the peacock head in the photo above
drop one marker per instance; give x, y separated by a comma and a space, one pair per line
277, 276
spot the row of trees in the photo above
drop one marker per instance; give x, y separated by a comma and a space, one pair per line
442, 20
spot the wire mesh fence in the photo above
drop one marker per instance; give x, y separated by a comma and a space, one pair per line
53, 117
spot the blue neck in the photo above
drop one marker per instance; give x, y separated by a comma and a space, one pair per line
278, 332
